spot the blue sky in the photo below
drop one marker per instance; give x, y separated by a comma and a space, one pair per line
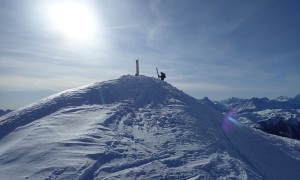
212, 48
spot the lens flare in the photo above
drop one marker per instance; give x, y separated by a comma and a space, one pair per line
230, 121
234, 121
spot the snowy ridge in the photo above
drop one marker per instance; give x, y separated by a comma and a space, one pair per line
136, 128
3, 112
97, 93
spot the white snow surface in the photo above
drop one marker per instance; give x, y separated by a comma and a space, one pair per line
136, 128
276, 115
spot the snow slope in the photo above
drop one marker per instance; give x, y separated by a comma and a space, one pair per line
136, 128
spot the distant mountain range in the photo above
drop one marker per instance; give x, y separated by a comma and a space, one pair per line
280, 116
258, 104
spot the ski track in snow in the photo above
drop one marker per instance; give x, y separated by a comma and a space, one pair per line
136, 128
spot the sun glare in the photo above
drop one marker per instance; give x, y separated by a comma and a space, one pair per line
73, 19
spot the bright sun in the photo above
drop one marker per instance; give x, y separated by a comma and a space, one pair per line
73, 19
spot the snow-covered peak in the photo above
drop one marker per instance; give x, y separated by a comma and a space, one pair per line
140, 90
232, 100
136, 128
124, 128
282, 98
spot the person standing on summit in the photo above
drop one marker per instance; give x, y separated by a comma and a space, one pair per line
162, 76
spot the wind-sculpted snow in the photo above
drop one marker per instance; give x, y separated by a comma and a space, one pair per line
135, 128
141, 89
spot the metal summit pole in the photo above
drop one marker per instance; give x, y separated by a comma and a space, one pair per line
137, 68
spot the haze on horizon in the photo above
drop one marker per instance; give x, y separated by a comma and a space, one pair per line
218, 49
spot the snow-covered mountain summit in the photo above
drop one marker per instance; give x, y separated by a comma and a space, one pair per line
136, 128
139, 91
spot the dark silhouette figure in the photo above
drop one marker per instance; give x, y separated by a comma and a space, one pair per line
162, 76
